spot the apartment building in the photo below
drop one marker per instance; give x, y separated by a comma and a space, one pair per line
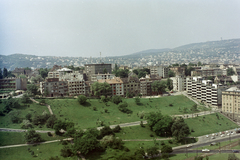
59, 73
205, 90
76, 87
91, 69
13, 83
178, 70
207, 72
231, 102
96, 77
179, 83
52, 87
162, 71
131, 85
145, 86
117, 85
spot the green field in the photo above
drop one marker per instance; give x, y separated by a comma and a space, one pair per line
209, 124
42, 152
12, 138
34, 109
85, 116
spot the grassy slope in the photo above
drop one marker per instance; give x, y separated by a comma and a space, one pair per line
11, 138
44, 151
5, 121
209, 125
85, 117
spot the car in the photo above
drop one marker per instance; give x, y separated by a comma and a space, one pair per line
206, 136
228, 134
212, 137
216, 134
222, 135
205, 150
212, 144
235, 151
190, 145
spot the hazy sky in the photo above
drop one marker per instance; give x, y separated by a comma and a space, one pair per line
113, 27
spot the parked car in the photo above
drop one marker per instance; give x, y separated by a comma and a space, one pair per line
206, 136
213, 138
235, 151
205, 150
222, 135
212, 144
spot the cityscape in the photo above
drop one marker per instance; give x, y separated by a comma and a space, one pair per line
119, 80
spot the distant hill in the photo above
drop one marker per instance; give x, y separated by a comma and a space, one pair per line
224, 51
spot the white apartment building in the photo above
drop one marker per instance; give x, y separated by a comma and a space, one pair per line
205, 90
179, 83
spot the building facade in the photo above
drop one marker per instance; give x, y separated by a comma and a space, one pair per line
231, 102
179, 83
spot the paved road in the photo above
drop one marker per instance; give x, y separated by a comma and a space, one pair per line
21, 130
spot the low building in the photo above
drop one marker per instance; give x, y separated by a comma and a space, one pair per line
178, 70
117, 85
52, 87
96, 77
13, 84
131, 85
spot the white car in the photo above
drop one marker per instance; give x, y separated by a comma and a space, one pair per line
228, 134
205, 150
222, 135
213, 137
206, 136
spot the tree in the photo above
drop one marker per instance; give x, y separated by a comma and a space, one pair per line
101, 89
51, 121
171, 73
112, 142
142, 74
59, 125
25, 98
36, 79
232, 157
151, 151
123, 108
194, 108
106, 130
32, 137
117, 99
188, 71
210, 78
180, 129
137, 100
43, 72
104, 71
86, 143
169, 84
32, 88
230, 72
5, 73
82, 99
166, 149
66, 151
199, 63
158, 86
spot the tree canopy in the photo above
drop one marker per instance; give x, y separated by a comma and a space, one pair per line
82, 99
180, 129
158, 86
32, 88
101, 89
230, 72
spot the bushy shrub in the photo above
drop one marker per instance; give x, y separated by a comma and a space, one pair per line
123, 108
116, 129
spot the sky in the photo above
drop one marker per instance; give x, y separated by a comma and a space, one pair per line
85, 28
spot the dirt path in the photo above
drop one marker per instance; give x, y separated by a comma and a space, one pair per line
48, 106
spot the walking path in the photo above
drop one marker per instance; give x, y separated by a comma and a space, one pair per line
48, 106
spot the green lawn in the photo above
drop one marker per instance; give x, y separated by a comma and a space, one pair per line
43, 151
85, 116
34, 109
12, 138
209, 124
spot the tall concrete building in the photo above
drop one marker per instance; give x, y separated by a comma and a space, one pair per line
91, 69
231, 102
162, 71
179, 83
117, 85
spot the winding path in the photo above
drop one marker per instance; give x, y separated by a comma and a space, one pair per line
48, 106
